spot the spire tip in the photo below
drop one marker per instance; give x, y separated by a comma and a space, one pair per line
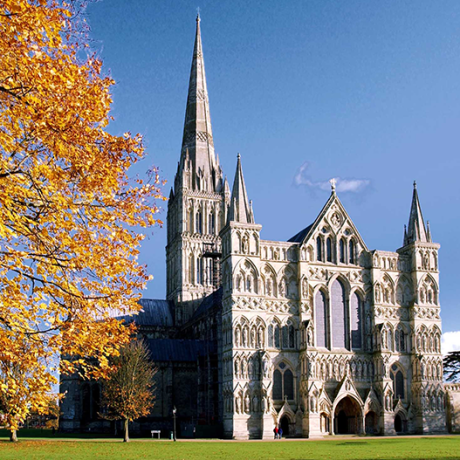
415, 185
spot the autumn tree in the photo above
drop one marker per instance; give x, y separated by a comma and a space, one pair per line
452, 366
128, 392
68, 207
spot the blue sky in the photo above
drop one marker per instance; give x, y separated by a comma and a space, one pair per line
366, 91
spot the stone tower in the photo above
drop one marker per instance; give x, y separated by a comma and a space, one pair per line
245, 376
197, 204
421, 257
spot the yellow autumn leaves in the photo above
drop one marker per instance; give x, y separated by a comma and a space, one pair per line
67, 253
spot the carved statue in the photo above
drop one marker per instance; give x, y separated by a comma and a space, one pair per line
244, 368
245, 337
237, 338
269, 287
237, 405
377, 293
255, 404
261, 338
245, 245
353, 369
247, 404
263, 404
265, 366
251, 369
387, 402
256, 367
309, 337
282, 289
304, 288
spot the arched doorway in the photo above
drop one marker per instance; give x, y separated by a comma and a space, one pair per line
324, 423
284, 425
348, 417
371, 423
400, 423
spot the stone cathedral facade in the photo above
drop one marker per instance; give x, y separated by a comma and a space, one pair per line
318, 334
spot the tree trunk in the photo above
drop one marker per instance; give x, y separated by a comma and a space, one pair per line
13, 436
126, 438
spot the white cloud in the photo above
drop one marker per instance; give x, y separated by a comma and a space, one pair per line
450, 341
342, 185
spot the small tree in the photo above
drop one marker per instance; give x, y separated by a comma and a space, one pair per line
452, 366
128, 392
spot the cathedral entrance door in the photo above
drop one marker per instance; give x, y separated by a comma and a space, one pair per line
284, 424
400, 423
371, 423
347, 417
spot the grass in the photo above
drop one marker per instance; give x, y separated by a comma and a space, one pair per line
447, 447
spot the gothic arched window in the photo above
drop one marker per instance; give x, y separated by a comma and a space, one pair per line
321, 319
190, 269
285, 337
277, 385
198, 277
277, 336
283, 382
199, 222
397, 378
338, 315
319, 249
329, 250
342, 251
401, 340
270, 335
288, 380
291, 336
356, 321
190, 221
212, 223
351, 252
390, 340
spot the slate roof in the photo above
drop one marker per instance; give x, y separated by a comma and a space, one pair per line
208, 302
301, 235
186, 350
154, 313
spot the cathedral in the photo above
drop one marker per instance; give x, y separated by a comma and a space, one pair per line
318, 335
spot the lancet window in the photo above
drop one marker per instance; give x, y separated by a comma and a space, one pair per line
342, 251
283, 383
397, 378
351, 252
319, 249
329, 250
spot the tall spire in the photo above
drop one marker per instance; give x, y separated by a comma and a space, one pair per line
240, 211
416, 230
197, 138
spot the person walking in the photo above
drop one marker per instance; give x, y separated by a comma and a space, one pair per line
280, 432
275, 430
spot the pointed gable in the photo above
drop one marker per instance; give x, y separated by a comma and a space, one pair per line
347, 388
333, 217
372, 402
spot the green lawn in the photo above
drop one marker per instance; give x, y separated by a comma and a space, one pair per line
337, 449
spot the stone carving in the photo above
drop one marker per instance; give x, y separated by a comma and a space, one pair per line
336, 219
